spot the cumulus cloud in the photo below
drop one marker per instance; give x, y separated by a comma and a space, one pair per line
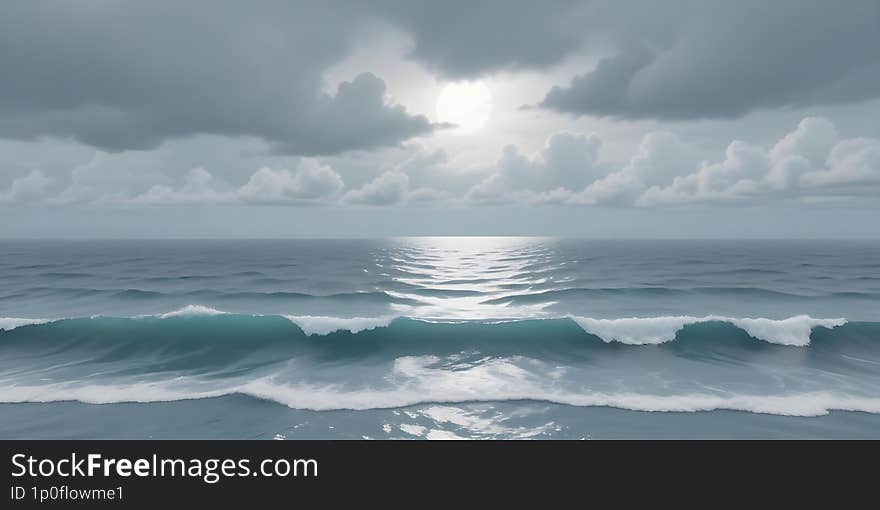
808, 162
312, 181
851, 163
660, 157
567, 161
29, 188
357, 117
107, 177
805, 164
394, 187
387, 189
199, 187
811, 164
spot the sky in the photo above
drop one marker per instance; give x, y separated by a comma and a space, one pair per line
376, 118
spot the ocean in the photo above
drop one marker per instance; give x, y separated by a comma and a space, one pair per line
440, 338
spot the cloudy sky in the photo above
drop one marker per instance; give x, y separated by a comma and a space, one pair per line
375, 118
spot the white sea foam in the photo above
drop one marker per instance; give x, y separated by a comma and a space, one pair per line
109, 393
412, 429
419, 380
443, 435
654, 330
816, 403
10, 323
320, 325
635, 330
191, 310
791, 331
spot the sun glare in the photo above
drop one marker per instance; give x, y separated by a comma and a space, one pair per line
467, 105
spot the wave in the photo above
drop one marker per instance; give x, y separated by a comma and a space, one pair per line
328, 398
323, 363
191, 310
320, 325
654, 330
792, 331
10, 323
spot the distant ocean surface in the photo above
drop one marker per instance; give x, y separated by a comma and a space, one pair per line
439, 338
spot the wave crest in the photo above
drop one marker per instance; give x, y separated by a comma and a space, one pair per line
322, 325
10, 323
191, 310
815, 403
655, 330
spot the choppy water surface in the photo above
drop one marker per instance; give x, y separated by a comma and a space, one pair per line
439, 338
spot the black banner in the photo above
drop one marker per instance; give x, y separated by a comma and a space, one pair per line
134, 474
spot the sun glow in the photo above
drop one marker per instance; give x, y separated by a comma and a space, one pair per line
467, 105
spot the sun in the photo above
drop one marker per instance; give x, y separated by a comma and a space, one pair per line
467, 105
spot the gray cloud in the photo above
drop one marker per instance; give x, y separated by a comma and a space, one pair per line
462, 39
121, 75
725, 59
132, 75
682, 59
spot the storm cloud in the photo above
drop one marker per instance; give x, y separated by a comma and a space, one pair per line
722, 60
130, 75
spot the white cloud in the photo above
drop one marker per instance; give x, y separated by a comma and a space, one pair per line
810, 164
567, 161
389, 188
199, 187
809, 161
660, 157
853, 162
29, 188
312, 181
412, 179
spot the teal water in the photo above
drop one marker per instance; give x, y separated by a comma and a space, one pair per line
439, 338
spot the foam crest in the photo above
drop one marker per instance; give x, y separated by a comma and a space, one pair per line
426, 379
324, 398
107, 393
10, 323
655, 330
791, 331
191, 310
321, 325
635, 330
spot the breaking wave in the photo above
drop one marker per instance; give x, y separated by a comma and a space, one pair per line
653, 330
792, 331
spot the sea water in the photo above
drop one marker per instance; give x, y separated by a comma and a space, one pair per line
440, 338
